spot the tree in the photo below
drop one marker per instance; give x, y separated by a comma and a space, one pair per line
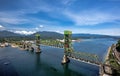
118, 46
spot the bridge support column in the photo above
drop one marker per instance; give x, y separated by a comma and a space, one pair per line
38, 50
27, 46
31, 49
67, 46
65, 59
101, 70
24, 46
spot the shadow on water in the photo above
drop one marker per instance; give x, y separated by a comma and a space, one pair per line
48, 69
69, 72
42, 68
38, 61
42, 64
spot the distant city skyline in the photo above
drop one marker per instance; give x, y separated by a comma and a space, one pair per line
79, 16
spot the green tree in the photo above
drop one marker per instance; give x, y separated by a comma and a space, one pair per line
118, 46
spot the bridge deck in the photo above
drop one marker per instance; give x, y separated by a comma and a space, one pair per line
86, 57
81, 56
85, 61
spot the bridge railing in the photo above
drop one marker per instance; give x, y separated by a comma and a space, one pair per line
92, 58
54, 43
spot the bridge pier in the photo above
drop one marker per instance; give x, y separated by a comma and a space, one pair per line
38, 50
67, 46
23, 45
65, 59
27, 46
31, 49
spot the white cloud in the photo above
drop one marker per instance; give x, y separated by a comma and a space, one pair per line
111, 31
41, 26
13, 20
25, 32
107, 31
67, 2
36, 28
91, 17
59, 31
1, 26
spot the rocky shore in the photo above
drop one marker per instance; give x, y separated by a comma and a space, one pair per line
105, 70
108, 52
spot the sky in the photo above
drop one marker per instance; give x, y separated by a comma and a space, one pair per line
79, 16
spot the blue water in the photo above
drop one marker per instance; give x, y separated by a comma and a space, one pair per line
94, 46
48, 63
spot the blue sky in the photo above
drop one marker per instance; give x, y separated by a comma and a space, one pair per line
79, 16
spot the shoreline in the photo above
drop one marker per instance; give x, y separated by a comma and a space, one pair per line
104, 70
108, 52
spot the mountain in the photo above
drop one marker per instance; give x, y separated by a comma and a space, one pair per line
43, 34
90, 36
8, 34
49, 35
55, 35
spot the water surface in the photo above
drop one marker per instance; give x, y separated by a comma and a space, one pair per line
48, 63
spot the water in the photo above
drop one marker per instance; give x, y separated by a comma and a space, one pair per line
48, 63
94, 46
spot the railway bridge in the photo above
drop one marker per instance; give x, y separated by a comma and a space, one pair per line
69, 52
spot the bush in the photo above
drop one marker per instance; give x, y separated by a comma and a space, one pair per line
118, 46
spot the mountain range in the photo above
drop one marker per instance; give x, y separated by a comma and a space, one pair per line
53, 35
8, 34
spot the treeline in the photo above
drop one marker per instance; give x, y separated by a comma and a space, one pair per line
15, 38
10, 36
118, 46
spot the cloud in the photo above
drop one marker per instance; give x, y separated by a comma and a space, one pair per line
36, 28
13, 20
108, 31
25, 32
13, 16
105, 31
1, 26
41, 26
59, 32
91, 17
67, 2
56, 15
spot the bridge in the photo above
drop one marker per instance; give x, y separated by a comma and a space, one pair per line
69, 52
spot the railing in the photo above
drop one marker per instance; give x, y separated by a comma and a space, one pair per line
87, 57
54, 43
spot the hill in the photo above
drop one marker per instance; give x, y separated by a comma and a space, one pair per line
51, 35
8, 34
90, 36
